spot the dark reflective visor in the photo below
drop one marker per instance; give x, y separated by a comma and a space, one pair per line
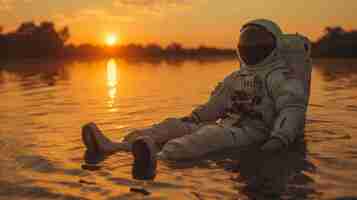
255, 44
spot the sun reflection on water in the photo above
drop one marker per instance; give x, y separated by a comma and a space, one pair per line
112, 82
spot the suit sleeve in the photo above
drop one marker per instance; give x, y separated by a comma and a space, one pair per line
290, 101
217, 104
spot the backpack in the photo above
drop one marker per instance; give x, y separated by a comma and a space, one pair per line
297, 53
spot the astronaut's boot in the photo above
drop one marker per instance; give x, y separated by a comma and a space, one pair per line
144, 151
97, 143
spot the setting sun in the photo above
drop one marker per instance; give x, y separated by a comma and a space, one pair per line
111, 39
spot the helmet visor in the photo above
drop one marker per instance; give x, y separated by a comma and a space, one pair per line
255, 44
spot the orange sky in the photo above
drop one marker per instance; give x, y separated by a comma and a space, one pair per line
191, 22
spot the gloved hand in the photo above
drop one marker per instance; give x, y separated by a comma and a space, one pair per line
273, 145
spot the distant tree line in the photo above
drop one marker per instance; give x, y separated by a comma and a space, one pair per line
43, 40
172, 51
31, 40
336, 42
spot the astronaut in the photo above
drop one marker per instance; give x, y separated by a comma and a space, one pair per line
264, 103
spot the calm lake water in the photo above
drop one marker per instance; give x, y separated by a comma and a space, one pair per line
44, 105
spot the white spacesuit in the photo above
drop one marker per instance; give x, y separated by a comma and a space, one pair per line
265, 101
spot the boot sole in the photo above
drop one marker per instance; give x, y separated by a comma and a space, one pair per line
144, 167
89, 139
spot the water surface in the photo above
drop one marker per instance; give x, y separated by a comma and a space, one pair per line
44, 104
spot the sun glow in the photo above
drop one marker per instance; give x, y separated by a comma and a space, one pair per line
112, 39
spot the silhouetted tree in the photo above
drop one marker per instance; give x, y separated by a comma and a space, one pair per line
64, 34
174, 47
27, 28
334, 31
30, 40
336, 42
153, 50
